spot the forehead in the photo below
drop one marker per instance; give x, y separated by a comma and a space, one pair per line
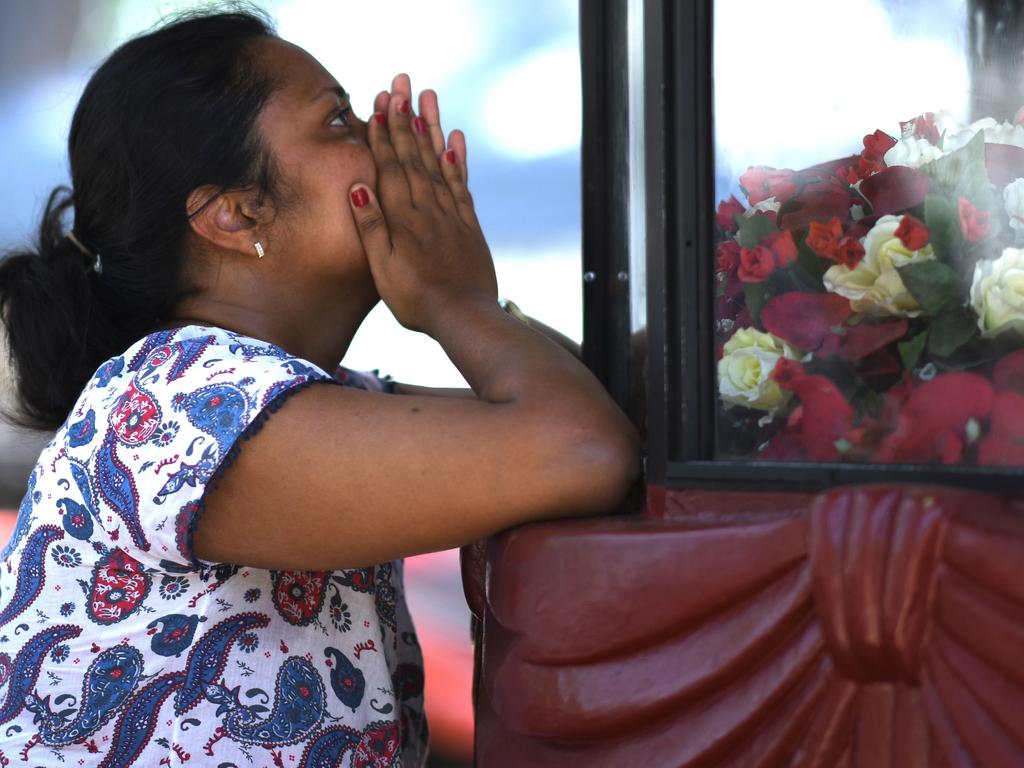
299, 76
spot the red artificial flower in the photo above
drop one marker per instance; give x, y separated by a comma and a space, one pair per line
782, 245
727, 257
1004, 163
823, 418
761, 182
912, 233
805, 320
864, 339
932, 420
877, 144
823, 238
869, 166
973, 221
786, 371
895, 189
921, 127
849, 252
1009, 373
849, 174
756, 264
728, 210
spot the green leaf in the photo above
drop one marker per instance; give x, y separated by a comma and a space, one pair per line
950, 331
753, 229
932, 283
910, 350
943, 221
757, 295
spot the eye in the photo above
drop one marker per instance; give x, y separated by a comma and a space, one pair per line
340, 118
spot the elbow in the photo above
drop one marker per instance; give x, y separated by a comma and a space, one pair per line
606, 465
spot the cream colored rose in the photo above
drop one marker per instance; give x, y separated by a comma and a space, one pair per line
997, 293
912, 152
874, 286
744, 371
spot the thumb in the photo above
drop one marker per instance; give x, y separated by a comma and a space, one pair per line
370, 222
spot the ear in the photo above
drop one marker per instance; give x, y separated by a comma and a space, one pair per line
231, 220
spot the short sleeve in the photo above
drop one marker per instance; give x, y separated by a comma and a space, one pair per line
170, 425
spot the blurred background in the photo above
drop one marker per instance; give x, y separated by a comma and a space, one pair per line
506, 73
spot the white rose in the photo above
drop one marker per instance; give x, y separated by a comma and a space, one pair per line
912, 152
1013, 199
997, 293
874, 286
744, 372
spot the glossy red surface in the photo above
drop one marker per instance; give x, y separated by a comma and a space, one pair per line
868, 627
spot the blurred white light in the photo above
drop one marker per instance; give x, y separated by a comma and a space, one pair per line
535, 108
363, 44
792, 94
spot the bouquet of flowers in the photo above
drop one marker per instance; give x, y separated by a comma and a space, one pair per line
871, 308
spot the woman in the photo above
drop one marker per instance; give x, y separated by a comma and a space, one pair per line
168, 595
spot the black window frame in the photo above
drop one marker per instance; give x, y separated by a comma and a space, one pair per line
673, 395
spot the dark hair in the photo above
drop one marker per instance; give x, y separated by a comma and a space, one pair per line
168, 112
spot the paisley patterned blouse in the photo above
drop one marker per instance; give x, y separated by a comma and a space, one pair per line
119, 647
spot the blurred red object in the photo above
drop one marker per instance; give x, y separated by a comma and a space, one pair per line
434, 593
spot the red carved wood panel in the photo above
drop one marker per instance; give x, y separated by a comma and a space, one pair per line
874, 627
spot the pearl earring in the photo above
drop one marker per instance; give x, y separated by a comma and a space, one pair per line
259, 249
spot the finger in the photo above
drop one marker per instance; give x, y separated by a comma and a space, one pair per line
430, 112
402, 85
453, 170
400, 129
380, 102
457, 141
432, 162
370, 224
391, 181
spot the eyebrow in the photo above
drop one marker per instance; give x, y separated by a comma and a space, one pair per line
337, 90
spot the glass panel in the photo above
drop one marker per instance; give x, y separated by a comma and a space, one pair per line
869, 231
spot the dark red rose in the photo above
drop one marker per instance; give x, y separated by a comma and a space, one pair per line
761, 182
895, 189
805, 320
756, 264
912, 233
727, 257
973, 221
728, 210
823, 238
877, 144
864, 339
823, 418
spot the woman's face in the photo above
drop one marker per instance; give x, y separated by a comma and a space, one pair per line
320, 150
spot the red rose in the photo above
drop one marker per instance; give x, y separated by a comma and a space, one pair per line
781, 244
761, 182
921, 127
912, 233
973, 221
849, 174
756, 264
727, 257
850, 252
728, 210
877, 144
823, 239
786, 372
823, 418
805, 320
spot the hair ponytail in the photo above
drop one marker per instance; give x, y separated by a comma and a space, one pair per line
165, 114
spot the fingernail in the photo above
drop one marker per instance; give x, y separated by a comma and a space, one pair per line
360, 197
380, 118
404, 107
419, 124
450, 156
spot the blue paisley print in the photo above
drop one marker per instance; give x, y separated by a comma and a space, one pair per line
163, 659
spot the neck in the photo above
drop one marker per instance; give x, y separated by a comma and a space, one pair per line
318, 331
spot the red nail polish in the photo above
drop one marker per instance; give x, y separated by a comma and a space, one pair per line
450, 157
404, 107
360, 197
380, 118
419, 124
